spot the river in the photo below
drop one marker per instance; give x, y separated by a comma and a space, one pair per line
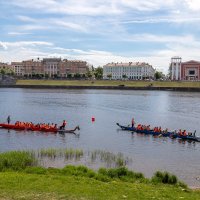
167, 109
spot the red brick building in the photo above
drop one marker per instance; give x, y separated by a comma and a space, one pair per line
190, 70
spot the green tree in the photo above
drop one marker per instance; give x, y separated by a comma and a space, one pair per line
2, 72
46, 76
124, 76
98, 73
158, 75
109, 76
69, 76
77, 75
89, 74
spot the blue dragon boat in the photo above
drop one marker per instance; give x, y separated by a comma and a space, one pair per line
163, 134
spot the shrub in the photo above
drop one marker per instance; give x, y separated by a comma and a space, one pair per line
164, 177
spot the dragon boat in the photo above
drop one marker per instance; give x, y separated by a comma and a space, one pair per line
37, 128
163, 134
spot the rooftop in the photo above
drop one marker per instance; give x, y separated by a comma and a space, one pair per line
133, 64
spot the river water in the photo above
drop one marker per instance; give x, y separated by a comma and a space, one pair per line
167, 109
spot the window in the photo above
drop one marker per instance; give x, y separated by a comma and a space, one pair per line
191, 72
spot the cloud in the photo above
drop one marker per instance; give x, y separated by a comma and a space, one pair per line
70, 7
18, 33
26, 18
7, 45
69, 25
193, 4
3, 45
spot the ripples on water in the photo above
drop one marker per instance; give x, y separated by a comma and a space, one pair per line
168, 109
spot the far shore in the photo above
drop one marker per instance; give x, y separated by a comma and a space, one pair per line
107, 84
188, 86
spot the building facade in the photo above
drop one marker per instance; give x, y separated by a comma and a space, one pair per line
18, 68
175, 68
131, 70
184, 71
190, 71
49, 67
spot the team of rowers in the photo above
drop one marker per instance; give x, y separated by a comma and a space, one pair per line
159, 129
41, 125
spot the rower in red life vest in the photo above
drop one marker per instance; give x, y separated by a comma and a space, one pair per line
184, 133
63, 124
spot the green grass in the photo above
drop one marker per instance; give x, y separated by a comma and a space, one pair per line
108, 83
56, 186
22, 178
16, 160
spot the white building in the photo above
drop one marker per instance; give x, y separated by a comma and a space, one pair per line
175, 68
51, 66
134, 71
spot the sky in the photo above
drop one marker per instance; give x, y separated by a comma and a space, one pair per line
101, 31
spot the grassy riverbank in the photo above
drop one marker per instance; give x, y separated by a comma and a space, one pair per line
109, 83
22, 178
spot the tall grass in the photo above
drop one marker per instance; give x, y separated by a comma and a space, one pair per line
112, 160
68, 154
16, 160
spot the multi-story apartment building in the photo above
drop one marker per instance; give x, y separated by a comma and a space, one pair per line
73, 67
50, 67
18, 68
131, 70
32, 67
189, 70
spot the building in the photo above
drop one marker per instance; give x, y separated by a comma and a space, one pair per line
131, 70
73, 67
18, 68
190, 70
175, 68
49, 67
184, 71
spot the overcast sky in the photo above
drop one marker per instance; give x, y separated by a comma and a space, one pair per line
100, 31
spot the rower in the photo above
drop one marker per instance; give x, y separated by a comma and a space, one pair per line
8, 119
184, 133
63, 125
132, 122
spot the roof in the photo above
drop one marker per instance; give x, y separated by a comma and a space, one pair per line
191, 62
129, 64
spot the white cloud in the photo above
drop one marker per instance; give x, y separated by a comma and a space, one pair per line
7, 45
26, 18
69, 25
193, 4
3, 45
84, 7
18, 33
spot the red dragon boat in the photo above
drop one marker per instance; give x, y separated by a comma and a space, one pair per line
38, 128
